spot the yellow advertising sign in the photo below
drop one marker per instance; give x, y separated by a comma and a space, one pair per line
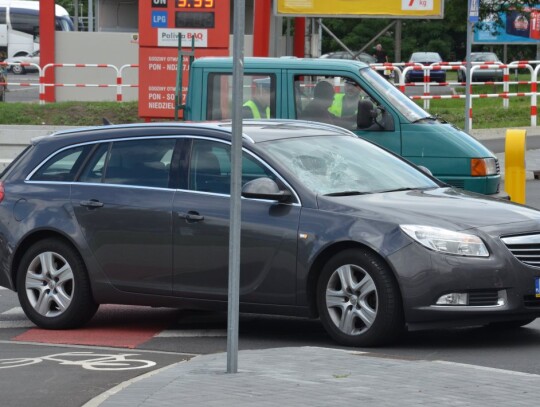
362, 8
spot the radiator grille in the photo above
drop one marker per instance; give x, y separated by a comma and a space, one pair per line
531, 301
525, 248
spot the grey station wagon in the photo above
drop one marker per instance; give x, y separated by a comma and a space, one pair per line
332, 227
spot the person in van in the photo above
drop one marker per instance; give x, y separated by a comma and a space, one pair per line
318, 108
346, 103
258, 107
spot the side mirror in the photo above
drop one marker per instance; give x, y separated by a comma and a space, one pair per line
264, 188
366, 114
425, 170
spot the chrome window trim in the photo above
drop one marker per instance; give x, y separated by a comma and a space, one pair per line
522, 239
183, 136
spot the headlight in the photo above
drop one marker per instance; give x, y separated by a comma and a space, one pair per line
447, 241
480, 167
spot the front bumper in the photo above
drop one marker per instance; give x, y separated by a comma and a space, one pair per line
424, 276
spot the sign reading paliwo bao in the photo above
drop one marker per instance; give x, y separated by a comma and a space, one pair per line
362, 8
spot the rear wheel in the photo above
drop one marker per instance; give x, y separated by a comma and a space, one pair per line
358, 300
18, 69
53, 286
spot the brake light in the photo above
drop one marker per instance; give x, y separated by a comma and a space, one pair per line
2, 194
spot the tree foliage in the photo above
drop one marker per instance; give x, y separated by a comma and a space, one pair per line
446, 36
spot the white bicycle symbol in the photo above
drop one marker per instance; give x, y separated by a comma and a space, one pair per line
87, 360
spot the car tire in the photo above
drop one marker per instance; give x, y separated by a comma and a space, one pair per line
18, 69
53, 286
358, 300
511, 324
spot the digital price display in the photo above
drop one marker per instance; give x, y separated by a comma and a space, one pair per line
194, 19
196, 4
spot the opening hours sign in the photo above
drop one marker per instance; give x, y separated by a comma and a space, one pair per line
204, 23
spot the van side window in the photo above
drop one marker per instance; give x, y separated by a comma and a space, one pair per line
259, 97
328, 99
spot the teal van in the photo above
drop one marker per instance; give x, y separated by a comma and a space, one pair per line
360, 100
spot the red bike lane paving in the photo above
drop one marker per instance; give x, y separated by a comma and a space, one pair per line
113, 325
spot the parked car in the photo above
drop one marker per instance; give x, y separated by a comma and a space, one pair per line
32, 58
484, 75
426, 59
360, 56
333, 227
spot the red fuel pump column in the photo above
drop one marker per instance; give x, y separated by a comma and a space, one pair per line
261, 28
46, 39
161, 23
299, 37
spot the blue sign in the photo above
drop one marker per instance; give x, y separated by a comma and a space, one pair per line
159, 19
474, 6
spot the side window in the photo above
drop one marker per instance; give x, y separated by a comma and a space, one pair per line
134, 162
328, 99
259, 97
210, 167
26, 21
95, 168
2, 15
63, 166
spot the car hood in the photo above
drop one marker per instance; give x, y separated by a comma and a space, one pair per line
441, 207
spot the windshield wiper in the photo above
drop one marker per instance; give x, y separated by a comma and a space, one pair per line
347, 193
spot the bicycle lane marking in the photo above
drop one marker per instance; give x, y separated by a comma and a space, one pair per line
118, 330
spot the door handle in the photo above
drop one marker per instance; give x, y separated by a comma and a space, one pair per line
92, 203
191, 216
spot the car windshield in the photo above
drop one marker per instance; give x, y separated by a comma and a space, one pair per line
395, 98
345, 165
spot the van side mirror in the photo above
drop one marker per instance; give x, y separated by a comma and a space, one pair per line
264, 188
425, 170
366, 114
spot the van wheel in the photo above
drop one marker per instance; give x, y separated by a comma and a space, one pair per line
53, 286
358, 300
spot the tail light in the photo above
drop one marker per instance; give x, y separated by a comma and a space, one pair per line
2, 194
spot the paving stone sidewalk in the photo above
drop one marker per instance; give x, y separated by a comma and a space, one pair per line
315, 377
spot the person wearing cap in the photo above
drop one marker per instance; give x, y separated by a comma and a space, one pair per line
317, 109
258, 107
346, 104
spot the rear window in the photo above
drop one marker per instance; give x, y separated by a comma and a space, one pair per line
62, 167
12, 163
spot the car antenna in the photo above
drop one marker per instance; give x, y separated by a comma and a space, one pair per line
106, 122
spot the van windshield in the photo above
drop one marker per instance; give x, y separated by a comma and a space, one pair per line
397, 99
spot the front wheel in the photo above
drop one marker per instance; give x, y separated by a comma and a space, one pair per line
358, 300
53, 286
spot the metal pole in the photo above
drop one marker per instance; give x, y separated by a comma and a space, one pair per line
236, 178
90, 15
468, 76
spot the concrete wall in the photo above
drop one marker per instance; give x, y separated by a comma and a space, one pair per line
95, 48
112, 48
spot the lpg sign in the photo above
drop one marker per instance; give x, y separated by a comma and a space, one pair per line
202, 23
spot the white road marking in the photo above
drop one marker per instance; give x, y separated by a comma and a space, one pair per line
14, 311
16, 324
192, 333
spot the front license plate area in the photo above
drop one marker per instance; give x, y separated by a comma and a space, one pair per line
537, 287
